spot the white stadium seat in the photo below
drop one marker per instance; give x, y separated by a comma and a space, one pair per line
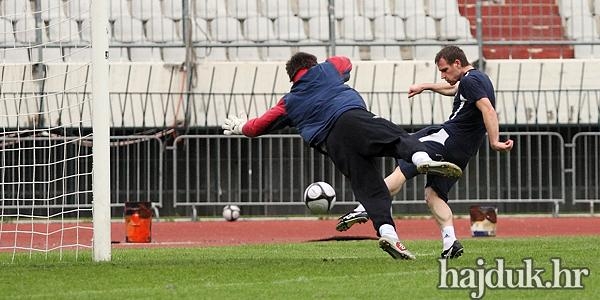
407, 8
14, 10
312, 8
25, 30
569, 8
172, 9
374, 8
128, 30
289, 29
63, 30
318, 28
419, 27
273, 9
162, 30
345, 8
258, 29
226, 29
438, 9
52, 9
118, 8
389, 28
582, 28
455, 27
79, 10
357, 28
145, 9
209, 9
242, 9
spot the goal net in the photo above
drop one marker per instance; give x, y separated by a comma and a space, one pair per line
54, 200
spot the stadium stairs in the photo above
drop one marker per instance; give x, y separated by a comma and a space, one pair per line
519, 21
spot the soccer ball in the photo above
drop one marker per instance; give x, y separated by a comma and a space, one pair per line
231, 212
319, 197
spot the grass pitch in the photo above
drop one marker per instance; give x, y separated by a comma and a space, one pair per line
316, 270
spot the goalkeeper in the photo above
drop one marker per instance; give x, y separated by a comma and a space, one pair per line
457, 140
332, 117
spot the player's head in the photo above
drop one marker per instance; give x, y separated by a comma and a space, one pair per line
299, 61
451, 61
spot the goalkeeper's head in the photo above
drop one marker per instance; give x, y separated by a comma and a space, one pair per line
299, 61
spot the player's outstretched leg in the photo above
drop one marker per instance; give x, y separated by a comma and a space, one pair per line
346, 221
395, 248
440, 168
455, 251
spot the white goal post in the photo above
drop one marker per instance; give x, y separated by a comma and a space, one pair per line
54, 130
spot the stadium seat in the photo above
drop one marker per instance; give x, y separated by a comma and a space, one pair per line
12, 55
128, 30
118, 8
357, 28
242, 9
389, 28
273, 9
14, 10
63, 30
25, 30
258, 29
145, 9
308, 9
582, 27
79, 10
172, 9
226, 29
290, 29
597, 8
419, 27
454, 27
345, 8
162, 30
318, 28
52, 9
209, 9
374, 8
407, 8
200, 32
438, 9
569, 8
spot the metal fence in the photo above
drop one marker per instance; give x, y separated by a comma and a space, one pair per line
274, 170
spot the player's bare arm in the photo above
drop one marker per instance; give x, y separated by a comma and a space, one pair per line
490, 119
442, 88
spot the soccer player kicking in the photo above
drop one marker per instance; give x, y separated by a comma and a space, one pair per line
332, 117
456, 140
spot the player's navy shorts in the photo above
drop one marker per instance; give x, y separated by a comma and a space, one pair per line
441, 147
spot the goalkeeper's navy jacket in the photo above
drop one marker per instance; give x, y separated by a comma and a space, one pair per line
318, 97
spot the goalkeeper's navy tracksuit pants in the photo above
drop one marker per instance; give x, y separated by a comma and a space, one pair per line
357, 138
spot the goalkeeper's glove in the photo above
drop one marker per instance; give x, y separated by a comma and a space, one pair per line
233, 125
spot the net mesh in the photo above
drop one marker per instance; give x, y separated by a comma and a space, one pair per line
45, 120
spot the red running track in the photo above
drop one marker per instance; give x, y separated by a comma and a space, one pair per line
252, 231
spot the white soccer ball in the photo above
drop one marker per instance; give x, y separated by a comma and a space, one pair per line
231, 212
319, 197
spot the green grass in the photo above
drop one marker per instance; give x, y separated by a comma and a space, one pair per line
319, 270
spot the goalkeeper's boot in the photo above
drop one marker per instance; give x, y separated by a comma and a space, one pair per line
441, 168
395, 248
455, 251
346, 221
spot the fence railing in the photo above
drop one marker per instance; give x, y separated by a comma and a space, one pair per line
210, 171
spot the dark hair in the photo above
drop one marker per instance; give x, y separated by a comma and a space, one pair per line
450, 54
299, 61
